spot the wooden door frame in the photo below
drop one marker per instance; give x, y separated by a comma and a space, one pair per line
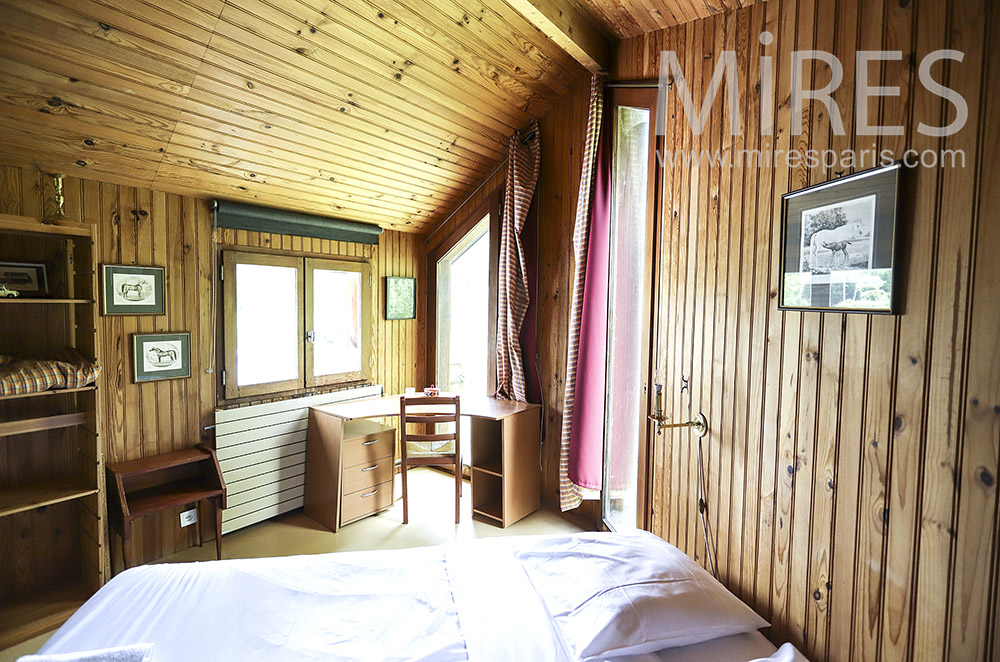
644, 98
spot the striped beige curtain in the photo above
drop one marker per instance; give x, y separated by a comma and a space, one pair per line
571, 495
524, 156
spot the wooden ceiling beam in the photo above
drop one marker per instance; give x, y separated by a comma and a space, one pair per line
570, 29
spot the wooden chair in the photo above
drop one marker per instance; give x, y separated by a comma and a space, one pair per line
430, 449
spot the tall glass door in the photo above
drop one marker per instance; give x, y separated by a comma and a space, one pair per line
629, 309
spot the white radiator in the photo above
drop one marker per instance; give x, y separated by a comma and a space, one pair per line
262, 451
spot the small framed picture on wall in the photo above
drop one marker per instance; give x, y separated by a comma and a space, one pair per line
131, 290
27, 279
838, 244
400, 298
158, 356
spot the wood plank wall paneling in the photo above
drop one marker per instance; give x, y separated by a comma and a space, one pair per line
852, 463
562, 132
150, 227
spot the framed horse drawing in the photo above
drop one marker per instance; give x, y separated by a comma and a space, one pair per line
838, 244
131, 290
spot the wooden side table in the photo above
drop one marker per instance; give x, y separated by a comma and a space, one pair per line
148, 485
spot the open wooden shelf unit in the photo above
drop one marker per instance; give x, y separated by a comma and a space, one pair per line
52, 498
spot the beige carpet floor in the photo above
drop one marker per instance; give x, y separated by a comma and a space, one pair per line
431, 523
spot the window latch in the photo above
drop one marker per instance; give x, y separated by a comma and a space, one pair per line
310, 336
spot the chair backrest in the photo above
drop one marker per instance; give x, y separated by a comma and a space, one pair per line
423, 410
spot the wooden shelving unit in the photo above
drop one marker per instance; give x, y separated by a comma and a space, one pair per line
61, 391
505, 473
44, 493
54, 422
52, 495
21, 300
36, 614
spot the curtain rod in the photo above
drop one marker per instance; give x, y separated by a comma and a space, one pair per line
634, 83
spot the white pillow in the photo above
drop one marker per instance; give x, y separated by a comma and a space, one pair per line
787, 653
629, 594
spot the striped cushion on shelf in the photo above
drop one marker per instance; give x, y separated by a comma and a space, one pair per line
69, 369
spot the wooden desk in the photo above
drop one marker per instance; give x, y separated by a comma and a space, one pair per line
151, 484
506, 479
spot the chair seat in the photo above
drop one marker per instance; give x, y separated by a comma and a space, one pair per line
429, 448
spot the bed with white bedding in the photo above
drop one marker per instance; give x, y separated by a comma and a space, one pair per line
588, 596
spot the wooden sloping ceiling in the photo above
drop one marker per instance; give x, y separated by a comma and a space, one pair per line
384, 111
630, 18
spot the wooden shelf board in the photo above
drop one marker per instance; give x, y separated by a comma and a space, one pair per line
41, 612
158, 462
492, 509
492, 468
27, 425
57, 391
35, 300
46, 226
161, 497
42, 493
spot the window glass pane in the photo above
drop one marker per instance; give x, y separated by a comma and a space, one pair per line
463, 314
463, 323
267, 324
336, 321
626, 311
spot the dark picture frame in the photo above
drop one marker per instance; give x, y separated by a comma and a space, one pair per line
132, 290
839, 244
28, 278
400, 298
157, 356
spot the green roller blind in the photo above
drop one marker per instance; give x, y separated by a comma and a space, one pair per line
239, 216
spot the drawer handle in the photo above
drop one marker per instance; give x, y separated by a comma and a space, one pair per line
370, 468
369, 443
372, 493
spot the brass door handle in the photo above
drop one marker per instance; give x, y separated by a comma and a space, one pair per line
699, 425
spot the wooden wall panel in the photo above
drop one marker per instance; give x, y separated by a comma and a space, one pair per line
562, 131
851, 468
150, 227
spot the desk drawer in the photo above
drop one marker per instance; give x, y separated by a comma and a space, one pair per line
365, 502
368, 448
367, 474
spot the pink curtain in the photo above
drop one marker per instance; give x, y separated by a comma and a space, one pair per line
586, 448
580, 458
524, 156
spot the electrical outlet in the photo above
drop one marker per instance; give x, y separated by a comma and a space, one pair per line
189, 517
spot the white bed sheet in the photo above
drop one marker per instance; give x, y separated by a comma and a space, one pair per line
467, 601
412, 604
